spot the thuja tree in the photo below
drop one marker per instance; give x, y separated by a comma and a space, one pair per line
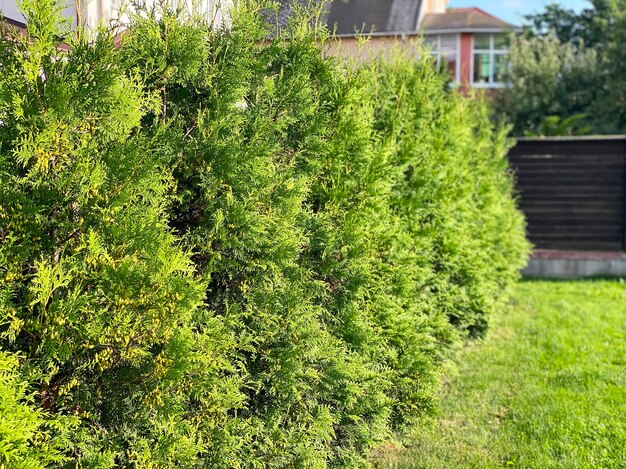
29, 437
96, 293
224, 250
348, 231
244, 118
451, 190
413, 229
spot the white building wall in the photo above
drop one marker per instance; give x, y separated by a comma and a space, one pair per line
100, 12
9, 9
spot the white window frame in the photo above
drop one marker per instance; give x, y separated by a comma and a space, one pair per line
436, 53
492, 52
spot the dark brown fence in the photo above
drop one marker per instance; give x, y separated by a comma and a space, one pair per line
573, 191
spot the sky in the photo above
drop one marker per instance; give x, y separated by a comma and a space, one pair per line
513, 10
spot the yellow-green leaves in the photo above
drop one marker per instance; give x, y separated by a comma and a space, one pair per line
49, 277
29, 438
223, 250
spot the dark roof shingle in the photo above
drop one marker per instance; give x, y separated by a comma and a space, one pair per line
463, 19
347, 17
287, 10
373, 16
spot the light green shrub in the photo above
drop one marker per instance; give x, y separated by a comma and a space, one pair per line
220, 250
29, 438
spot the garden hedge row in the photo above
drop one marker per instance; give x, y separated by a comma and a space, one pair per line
219, 250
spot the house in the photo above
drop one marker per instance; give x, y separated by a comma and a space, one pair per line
93, 13
469, 42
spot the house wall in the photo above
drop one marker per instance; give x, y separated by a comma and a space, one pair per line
379, 45
97, 12
465, 75
375, 46
9, 9
101, 11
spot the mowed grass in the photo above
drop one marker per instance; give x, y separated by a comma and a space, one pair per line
545, 389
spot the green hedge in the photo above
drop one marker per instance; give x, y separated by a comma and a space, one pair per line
218, 250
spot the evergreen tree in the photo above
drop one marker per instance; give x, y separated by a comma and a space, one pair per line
97, 293
223, 250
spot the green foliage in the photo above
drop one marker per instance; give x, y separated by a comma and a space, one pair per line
613, 99
220, 250
29, 438
554, 126
564, 64
586, 28
96, 291
549, 78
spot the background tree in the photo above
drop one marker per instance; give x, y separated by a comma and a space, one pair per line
549, 78
612, 103
588, 27
567, 64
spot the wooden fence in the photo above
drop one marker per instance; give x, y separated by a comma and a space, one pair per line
572, 191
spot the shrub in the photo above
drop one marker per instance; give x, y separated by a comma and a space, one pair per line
96, 291
29, 438
220, 250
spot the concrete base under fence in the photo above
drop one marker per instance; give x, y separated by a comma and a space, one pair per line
575, 264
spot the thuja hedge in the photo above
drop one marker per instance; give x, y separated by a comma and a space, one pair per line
222, 250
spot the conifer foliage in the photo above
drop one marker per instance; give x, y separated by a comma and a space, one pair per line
222, 250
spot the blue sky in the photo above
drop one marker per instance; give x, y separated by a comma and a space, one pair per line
513, 10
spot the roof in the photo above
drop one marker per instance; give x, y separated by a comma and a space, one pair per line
346, 17
288, 8
463, 19
11, 22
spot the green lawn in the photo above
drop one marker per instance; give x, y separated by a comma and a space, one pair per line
546, 389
